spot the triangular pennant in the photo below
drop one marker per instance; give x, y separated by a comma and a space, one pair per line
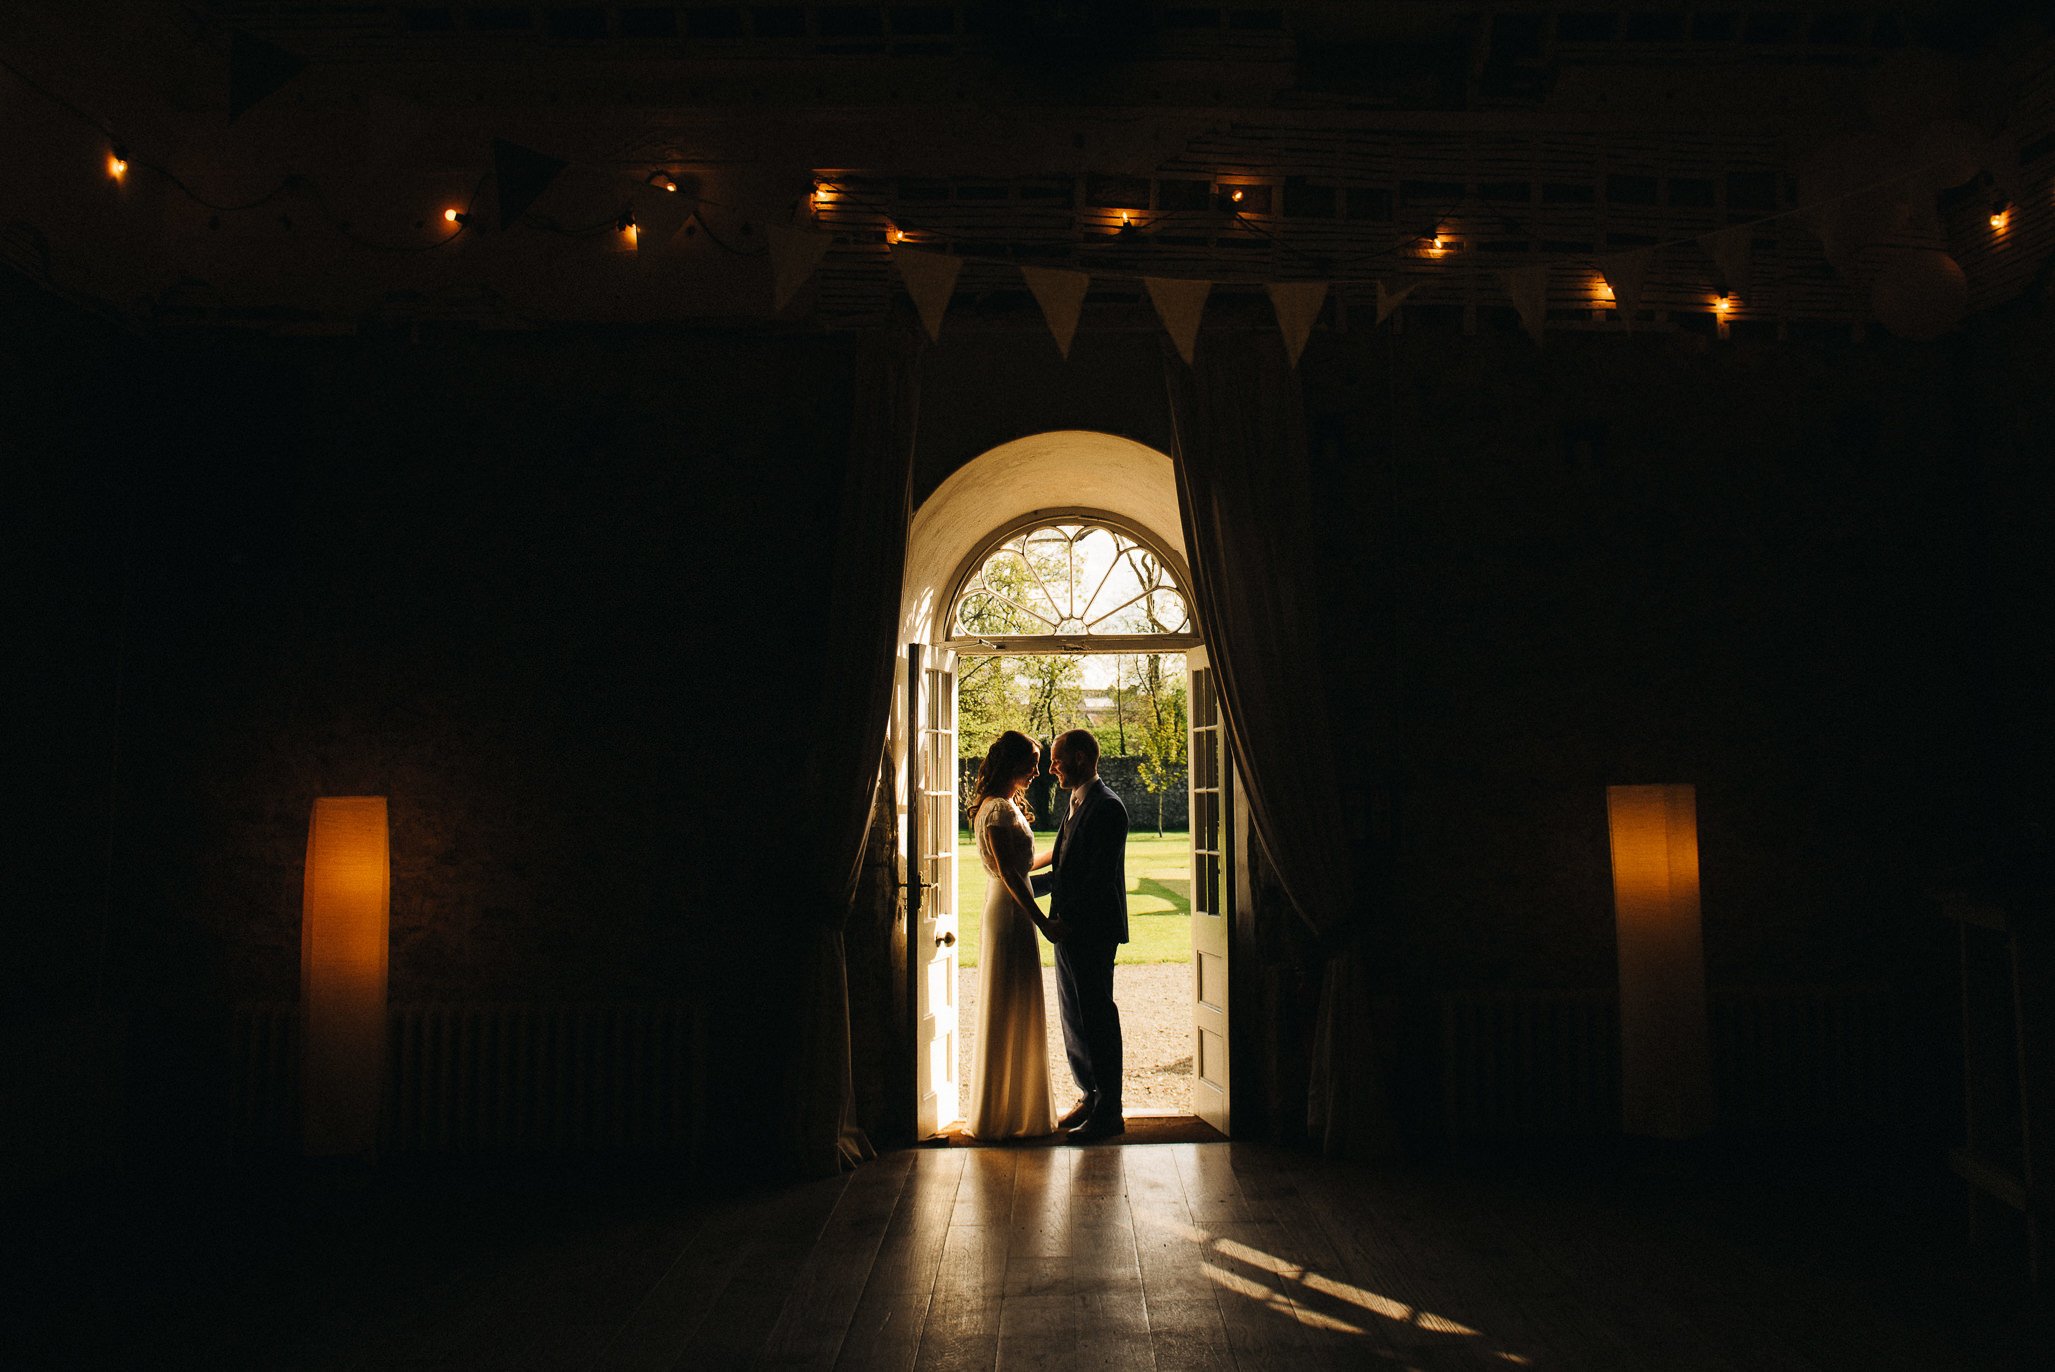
794, 255
1389, 300
521, 175
255, 69
1179, 303
1061, 295
1733, 252
930, 279
1626, 272
658, 215
1297, 304
1528, 286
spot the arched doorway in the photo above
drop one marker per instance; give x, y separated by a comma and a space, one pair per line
1110, 505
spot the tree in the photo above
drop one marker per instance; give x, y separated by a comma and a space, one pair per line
1161, 742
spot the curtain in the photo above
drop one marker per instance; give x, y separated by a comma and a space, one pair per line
1248, 511
859, 642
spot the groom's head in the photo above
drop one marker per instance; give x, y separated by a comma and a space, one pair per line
1074, 757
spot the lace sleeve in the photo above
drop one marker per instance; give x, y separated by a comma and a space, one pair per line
1010, 842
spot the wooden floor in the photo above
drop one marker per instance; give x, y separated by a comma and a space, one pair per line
1228, 1256
1165, 1256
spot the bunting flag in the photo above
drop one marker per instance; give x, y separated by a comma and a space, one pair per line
659, 214
522, 175
1733, 252
1179, 303
794, 255
1061, 295
255, 69
1389, 300
930, 279
1297, 304
1626, 272
1528, 286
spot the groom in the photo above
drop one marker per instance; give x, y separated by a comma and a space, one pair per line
1087, 888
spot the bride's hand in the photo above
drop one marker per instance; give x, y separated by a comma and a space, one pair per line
1055, 929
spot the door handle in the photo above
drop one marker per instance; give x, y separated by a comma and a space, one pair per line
946, 940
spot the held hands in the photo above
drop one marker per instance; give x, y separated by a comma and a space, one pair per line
1054, 929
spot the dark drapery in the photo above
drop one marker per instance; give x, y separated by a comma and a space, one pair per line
1249, 520
858, 645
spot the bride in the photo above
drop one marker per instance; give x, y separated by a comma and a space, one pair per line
1010, 1095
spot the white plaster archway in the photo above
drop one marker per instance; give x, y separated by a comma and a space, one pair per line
1066, 469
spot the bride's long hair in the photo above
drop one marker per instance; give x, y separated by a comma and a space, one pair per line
1012, 758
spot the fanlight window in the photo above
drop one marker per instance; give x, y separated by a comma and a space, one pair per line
1071, 581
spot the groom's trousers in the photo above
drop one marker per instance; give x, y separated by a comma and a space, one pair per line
1091, 1021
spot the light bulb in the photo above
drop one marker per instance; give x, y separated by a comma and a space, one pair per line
117, 164
454, 215
2001, 216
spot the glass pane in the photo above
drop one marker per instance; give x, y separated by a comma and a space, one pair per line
1072, 579
981, 612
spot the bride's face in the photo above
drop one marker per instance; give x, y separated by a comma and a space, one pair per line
1034, 767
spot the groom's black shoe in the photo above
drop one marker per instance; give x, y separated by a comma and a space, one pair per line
1079, 1113
1092, 1130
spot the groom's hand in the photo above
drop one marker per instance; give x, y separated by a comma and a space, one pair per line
1057, 929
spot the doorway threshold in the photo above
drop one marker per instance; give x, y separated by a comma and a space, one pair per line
1143, 1126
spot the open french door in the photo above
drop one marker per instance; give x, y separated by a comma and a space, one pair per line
931, 881
1212, 825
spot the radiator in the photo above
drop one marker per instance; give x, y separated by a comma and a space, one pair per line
1530, 1063
483, 1077
553, 1078
264, 1086
1785, 1059
1811, 1058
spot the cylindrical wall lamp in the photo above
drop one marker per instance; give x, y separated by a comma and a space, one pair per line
1665, 1041
345, 927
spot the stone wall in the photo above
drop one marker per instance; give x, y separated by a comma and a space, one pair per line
1123, 774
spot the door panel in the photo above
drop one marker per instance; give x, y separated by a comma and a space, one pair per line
931, 887
1212, 888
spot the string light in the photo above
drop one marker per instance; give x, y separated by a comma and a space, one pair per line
454, 215
664, 179
117, 162
2001, 214
1723, 303
626, 224
1128, 227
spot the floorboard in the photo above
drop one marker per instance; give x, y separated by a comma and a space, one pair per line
1222, 1256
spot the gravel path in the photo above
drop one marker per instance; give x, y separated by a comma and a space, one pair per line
1155, 1001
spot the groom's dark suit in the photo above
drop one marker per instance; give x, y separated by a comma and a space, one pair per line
1087, 886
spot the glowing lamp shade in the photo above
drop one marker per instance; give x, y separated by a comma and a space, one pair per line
345, 924
1665, 1042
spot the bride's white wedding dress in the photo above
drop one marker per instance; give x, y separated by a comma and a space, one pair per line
1010, 1095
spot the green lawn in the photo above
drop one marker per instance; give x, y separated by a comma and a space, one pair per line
1159, 901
